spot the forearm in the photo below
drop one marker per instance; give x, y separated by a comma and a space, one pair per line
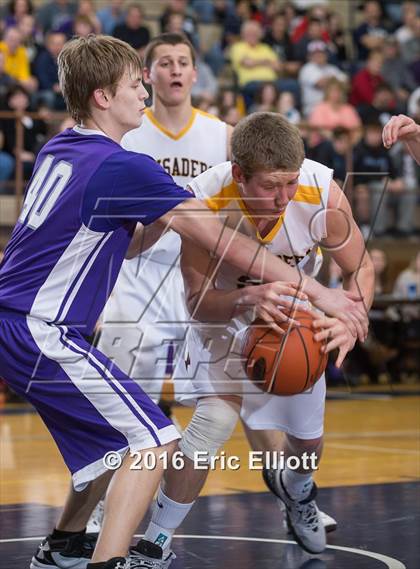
413, 147
362, 282
218, 305
144, 237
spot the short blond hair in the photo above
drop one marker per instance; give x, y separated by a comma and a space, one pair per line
266, 142
93, 62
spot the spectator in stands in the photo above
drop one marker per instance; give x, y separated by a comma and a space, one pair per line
315, 74
366, 81
409, 15
315, 32
133, 31
266, 98
234, 21
338, 40
384, 105
6, 80
16, 59
46, 71
334, 111
371, 33
373, 166
230, 115
111, 15
86, 8
253, 61
286, 106
410, 51
31, 37
407, 284
403, 203
335, 154
277, 37
397, 73
189, 22
56, 14
206, 86
380, 264
7, 166
16, 10
34, 131
82, 26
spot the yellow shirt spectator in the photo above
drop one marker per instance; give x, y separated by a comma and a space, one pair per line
261, 52
16, 64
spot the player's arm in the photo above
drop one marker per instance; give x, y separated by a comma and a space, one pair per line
347, 248
401, 127
345, 243
206, 303
144, 237
194, 221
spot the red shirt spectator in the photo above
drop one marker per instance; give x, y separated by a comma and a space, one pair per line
366, 81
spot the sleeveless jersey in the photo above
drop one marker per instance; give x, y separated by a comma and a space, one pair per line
295, 236
199, 146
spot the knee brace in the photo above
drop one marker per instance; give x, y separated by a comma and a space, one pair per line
211, 426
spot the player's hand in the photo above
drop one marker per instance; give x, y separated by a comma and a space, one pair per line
273, 302
336, 334
399, 127
347, 307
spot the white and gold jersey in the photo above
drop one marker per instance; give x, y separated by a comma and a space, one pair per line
201, 144
296, 234
196, 148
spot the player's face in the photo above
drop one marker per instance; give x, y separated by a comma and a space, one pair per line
268, 193
128, 105
172, 74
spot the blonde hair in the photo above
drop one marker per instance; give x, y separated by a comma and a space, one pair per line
266, 141
93, 62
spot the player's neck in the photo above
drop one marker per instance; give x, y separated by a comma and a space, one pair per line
109, 130
173, 118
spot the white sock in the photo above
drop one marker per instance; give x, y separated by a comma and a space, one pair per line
167, 516
298, 485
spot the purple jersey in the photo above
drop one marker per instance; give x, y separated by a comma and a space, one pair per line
80, 210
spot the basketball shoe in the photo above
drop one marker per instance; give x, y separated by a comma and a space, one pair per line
69, 553
270, 476
148, 555
304, 519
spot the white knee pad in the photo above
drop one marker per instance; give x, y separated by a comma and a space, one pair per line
211, 426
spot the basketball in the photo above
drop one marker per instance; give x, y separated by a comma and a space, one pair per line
284, 365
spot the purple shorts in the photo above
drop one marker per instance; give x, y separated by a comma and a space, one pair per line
88, 404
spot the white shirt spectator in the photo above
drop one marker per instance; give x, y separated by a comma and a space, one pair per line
314, 75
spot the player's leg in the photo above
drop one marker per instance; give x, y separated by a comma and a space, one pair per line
273, 441
301, 417
90, 412
211, 426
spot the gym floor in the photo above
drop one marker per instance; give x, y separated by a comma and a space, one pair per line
368, 481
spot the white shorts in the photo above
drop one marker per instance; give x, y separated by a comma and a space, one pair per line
144, 322
212, 365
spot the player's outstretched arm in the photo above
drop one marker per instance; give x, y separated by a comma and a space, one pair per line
206, 303
194, 221
346, 245
401, 127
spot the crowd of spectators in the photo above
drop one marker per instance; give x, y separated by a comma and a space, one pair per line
340, 78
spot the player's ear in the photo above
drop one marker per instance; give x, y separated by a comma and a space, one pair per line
101, 98
146, 76
237, 173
